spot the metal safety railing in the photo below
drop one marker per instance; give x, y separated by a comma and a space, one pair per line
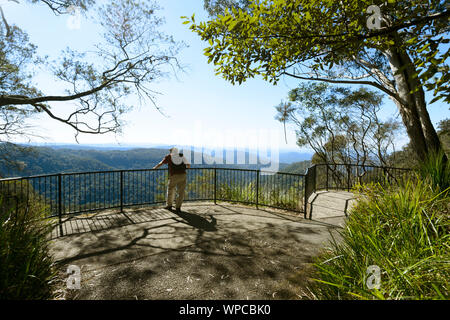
74, 193
346, 176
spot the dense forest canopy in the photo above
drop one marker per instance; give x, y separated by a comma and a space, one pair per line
47, 160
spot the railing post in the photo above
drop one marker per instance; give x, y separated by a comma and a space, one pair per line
327, 176
305, 205
315, 177
215, 185
257, 187
348, 177
121, 190
60, 204
357, 174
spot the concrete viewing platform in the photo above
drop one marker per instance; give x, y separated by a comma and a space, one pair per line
208, 251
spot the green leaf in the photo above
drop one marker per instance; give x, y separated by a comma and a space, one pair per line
233, 25
307, 16
423, 48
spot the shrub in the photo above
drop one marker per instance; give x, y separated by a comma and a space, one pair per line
26, 268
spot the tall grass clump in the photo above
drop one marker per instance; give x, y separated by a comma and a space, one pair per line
26, 267
404, 231
436, 168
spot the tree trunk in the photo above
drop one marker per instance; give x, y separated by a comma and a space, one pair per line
431, 137
411, 104
406, 105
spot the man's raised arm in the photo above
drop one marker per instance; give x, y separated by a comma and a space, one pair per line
159, 164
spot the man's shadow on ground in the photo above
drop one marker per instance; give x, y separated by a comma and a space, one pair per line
197, 221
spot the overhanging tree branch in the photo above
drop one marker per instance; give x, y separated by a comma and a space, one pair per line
102, 84
342, 81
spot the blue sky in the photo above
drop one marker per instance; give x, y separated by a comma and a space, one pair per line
200, 108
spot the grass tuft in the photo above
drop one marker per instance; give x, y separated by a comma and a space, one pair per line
404, 231
26, 268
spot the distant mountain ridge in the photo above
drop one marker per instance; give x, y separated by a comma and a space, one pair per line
62, 159
299, 167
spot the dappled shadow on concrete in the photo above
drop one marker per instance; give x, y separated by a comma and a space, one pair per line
204, 252
108, 219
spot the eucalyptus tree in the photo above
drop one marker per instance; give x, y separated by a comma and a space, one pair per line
340, 124
399, 47
100, 82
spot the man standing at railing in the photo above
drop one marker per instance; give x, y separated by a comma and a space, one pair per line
177, 164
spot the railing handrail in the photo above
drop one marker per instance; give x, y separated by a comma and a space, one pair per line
360, 165
79, 172
142, 169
